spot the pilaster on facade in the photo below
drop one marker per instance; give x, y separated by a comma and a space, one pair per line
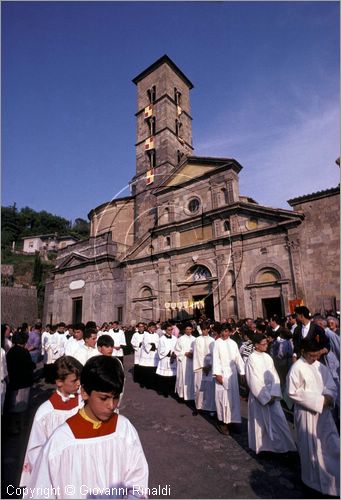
293, 247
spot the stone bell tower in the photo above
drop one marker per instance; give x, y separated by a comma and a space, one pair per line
164, 134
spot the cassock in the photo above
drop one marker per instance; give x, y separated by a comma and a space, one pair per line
184, 372
166, 368
268, 429
136, 342
119, 339
204, 385
318, 441
52, 413
149, 359
81, 461
227, 362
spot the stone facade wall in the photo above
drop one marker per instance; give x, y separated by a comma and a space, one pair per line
19, 305
319, 242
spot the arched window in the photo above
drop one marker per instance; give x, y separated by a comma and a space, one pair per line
146, 292
267, 276
199, 273
227, 225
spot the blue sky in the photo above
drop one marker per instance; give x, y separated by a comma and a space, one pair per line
266, 92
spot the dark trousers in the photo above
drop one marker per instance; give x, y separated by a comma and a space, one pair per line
166, 385
136, 374
147, 376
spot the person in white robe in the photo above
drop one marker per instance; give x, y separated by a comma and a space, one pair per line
4, 377
61, 405
311, 387
184, 372
119, 339
204, 383
166, 368
149, 357
88, 349
227, 363
76, 341
97, 452
136, 343
268, 429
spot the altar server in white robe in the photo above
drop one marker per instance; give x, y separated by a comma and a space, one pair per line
76, 341
119, 338
61, 405
268, 429
97, 452
184, 372
136, 343
149, 357
313, 390
88, 349
204, 383
166, 368
227, 363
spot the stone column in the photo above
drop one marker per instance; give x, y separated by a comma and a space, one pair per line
293, 247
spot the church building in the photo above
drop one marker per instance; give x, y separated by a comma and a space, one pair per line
186, 242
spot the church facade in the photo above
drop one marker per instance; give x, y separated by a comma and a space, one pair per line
186, 242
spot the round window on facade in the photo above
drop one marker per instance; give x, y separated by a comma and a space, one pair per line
193, 205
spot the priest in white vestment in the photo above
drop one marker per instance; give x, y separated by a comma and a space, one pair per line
184, 373
149, 357
268, 429
310, 385
204, 383
227, 363
166, 368
136, 343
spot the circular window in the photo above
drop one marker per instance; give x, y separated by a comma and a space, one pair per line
193, 205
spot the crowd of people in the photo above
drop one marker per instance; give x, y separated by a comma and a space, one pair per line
277, 364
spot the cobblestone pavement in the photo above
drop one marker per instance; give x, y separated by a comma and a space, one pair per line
187, 456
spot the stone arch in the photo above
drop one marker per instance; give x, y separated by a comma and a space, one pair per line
271, 268
200, 269
146, 292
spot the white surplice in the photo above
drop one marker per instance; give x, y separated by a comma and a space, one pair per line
84, 352
227, 362
72, 345
204, 385
318, 441
84, 468
46, 420
165, 367
136, 343
184, 373
147, 356
119, 339
268, 429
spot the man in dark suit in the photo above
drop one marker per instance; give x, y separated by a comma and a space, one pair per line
306, 329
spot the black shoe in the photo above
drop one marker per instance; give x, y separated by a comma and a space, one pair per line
222, 428
195, 413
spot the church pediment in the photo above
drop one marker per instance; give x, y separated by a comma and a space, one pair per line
73, 260
195, 167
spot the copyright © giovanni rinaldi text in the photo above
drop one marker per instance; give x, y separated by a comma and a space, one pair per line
83, 490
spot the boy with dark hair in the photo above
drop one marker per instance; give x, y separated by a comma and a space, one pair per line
311, 387
88, 349
62, 404
105, 345
97, 449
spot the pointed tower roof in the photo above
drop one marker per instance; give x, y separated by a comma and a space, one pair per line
163, 60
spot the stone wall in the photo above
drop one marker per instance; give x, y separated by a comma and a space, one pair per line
319, 243
19, 305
